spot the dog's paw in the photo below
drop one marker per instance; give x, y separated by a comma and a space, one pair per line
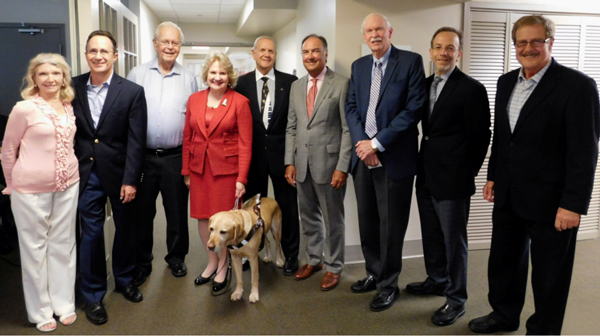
279, 263
266, 260
236, 296
254, 297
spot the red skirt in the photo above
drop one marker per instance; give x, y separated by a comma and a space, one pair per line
210, 194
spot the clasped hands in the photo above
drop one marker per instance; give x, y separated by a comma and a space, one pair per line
366, 153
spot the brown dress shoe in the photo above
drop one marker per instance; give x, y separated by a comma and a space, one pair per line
330, 281
306, 271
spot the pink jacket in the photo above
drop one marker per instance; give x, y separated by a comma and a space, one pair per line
37, 152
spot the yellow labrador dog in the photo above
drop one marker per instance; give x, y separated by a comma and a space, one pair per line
230, 228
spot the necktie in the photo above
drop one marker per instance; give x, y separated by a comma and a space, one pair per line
371, 124
265, 93
310, 99
433, 93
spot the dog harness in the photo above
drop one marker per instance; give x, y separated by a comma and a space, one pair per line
259, 223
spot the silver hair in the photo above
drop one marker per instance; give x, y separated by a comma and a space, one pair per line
387, 22
264, 37
170, 24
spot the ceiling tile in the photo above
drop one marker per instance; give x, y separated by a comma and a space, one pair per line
165, 13
149, 2
229, 16
196, 8
197, 2
198, 20
227, 20
231, 9
233, 2
160, 7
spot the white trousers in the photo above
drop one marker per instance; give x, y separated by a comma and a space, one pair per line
46, 228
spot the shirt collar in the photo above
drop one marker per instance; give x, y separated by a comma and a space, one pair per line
176, 67
537, 77
445, 76
385, 56
89, 82
270, 74
320, 77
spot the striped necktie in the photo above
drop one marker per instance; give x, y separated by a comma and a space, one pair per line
371, 124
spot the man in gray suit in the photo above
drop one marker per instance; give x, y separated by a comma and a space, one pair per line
317, 156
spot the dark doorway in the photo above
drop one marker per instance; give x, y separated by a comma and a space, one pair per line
20, 48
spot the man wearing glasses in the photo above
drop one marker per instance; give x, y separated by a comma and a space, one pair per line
540, 178
168, 86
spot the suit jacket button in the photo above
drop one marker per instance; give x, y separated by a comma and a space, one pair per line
427, 138
96, 141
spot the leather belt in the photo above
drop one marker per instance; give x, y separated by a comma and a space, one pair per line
160, 152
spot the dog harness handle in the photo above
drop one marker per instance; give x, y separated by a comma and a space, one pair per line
259, 223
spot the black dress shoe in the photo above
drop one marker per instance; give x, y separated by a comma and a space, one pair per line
487, 325
200, 280
96, 313
291, 266
140, 277
178, 270
131, 293
426, 287
447, 314
382, 302
365, 285
219, 288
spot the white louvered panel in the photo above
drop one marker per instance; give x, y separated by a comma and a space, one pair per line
479, 229
566, 45
487, 55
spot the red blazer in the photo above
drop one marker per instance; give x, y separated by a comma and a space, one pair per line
228, 140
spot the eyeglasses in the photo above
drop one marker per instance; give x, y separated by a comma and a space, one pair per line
449, 49
166, 43
102, 52
534, 43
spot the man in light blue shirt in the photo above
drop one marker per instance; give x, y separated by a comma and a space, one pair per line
168, 86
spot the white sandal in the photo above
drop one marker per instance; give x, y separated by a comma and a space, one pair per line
45, 323
66, 317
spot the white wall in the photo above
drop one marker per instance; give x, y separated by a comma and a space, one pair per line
287, 51
210, 33
316, 17
148, 23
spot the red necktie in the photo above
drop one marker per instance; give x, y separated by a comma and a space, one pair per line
310, 99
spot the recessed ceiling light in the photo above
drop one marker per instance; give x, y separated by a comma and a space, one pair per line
200, 48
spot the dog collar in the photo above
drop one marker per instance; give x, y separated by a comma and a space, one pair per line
259, 223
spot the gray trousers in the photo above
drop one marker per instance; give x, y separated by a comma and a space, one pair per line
322, 221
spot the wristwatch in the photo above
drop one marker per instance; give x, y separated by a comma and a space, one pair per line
374, 145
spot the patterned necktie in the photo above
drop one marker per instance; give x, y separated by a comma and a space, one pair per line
310, 99
371, 124
433, 93
265, 93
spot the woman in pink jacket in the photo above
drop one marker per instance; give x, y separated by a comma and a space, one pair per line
42, 178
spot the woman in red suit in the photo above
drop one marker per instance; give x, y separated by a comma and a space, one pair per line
217, 148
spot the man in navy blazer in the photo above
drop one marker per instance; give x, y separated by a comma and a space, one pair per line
456, 136
385, 99
268, 142
540, 178
110, 144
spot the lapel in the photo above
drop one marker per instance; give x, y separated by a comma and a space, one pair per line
325, 87
251, 79
389, 70
219, 112
542, 90
446, 92
81, 91
505, 88
280, 93
114, 88
365, 93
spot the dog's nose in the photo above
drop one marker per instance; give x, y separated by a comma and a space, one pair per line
211, 246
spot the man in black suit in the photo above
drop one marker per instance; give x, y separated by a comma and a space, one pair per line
269, 92
540, 178
110, 144
385, 99
456, 135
